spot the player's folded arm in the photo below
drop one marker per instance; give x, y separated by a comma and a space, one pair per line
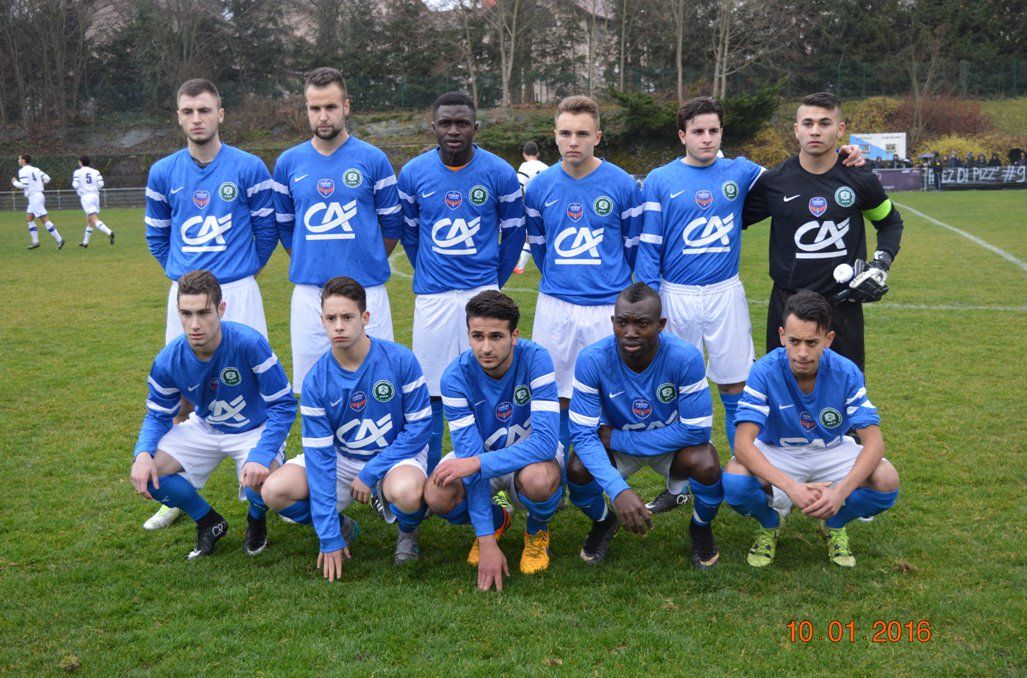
321, 460
631, 219
536, 229
386, 200
693, 426
162, 405
584, 425
510, 213
276, 392
260, 191
285, 208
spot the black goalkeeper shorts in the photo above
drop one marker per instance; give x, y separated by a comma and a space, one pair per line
846, 321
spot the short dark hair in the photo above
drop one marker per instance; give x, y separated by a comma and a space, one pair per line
344, 286
28, 158
84, 159
578, 104
453, 99
699, 106
530, 148
493, 304
808, 306
828, 100
196, 87
200, 282
639, 291
325, 76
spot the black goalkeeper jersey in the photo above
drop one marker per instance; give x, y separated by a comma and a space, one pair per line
817, 221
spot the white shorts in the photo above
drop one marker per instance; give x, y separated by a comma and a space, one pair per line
563, 329
628, 464
346, 470
37, 205
199, 448
309, 340
243, 304
809, 465
90, 203
715, 319
440, 331
508, 484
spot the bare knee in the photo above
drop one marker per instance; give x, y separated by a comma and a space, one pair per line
885, 477
539, 481
576, 471
734, 466
442, 499
285, 487
697, 461
404, 487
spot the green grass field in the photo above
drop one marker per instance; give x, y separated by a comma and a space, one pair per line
84, 588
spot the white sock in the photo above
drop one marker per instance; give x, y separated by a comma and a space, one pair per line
89, 232
34, 233
52, 230
103, 227
523, 260
676, 486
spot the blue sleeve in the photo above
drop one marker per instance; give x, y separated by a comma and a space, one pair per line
535, 226
631, 222
416, 425
321, 460
263, 221
407, 191
756, 208
285, 208
386, 201
585, 411
158, 217
162, 404
650, 242
510, 210
695, 417
859, 411
753, 406
281, 403
542, 443
467, 442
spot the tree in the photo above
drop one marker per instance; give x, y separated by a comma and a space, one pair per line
745, 32
510, 19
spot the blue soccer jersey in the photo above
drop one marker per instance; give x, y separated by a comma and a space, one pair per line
241, 387
508, 422
454, 219
787, 417
378, 414
692, 228
334, 210
662, 409
584, 232
220, 217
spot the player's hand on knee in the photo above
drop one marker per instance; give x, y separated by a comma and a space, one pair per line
331, 563
455, 469
144, 471
828, 504
633, 512
360, 491
491, 565
804, 494
254, 474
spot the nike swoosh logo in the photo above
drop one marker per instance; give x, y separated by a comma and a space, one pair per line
552, 202
176, 190
674, 195
300, 178
478, 403
428, 195
337, 402
789, 198
193, 388
614, 395
784, 407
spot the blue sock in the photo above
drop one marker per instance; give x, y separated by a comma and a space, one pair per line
541, 512
730, 402
460, 515
565, 431
706, 500
745, 495
435, 442
497, 517
862, 503
408, 522
177, 492
258, 509
298, 512
588, 498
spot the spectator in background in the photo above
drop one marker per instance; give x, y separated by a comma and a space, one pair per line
936, 169
981, 160
995, 161
953, 160
971, 161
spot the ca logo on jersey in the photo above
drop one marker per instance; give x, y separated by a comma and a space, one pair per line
228, 191
201, 198
230, 376
211, 229
703, 235
602, 205
817, 206
478, 195
352, 177
845, 196
505, 437
666, 392
336, 218
326, 187
826, 236
370, 433
583, 241
641, 407
383, 391
228, 414
504, 411
458, 238
522, 395
729, 189
830, 418
704, 198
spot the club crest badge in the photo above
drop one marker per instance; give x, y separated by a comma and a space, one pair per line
641, 407
478, 195
504, 411
213, 384
845, 196
666, 392
522, 395
575, 211
326, 187
807, 421
704, 198
352, 177
201, 198
817, 206
358, 401
228, 191
729, 189
454, 199
603, 205
230, 376
830, 418
383, 391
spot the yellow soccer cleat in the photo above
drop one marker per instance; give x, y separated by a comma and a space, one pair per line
535, 556
472, 555
838, 548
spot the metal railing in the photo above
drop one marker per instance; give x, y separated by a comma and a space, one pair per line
69, 200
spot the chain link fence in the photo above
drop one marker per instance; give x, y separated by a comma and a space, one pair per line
68, 200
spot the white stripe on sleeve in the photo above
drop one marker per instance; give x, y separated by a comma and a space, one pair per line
386, 211
584, 388
510, 197
157, 223
763, 409
698, 421
538, 382
532, 212
755, 394
285, 218
651, 238
462, 422
582, 420
416, 383
632, 212
652, 207
275, 396
163, 390
308, 411
700, 385
382, 183
262, 186
166, 410
154, 195
263, 212
545, 406
266, 365
454, 402
327, 441
418, 415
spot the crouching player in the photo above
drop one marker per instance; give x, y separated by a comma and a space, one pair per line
366, 424
790, 444
641, 399
504, 417
244, 409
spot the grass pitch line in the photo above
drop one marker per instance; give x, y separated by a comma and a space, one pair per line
973, 238
923, 307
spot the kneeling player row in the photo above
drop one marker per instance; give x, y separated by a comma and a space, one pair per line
640, 399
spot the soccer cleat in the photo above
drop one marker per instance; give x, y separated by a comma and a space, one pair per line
501, 500
83, 245
535, 556
112, 237
33, 246
255, 540
349, 528
518, 271
164, 516
597, 542
704, 547
473, 555
838, 548
763, 548
667, 501
206, 537
60, 243
407, 547
378, 505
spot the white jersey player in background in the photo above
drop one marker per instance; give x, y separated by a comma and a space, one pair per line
88, 182
525, 173
31, 180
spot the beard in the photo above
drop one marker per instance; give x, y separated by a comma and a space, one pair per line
327, 136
